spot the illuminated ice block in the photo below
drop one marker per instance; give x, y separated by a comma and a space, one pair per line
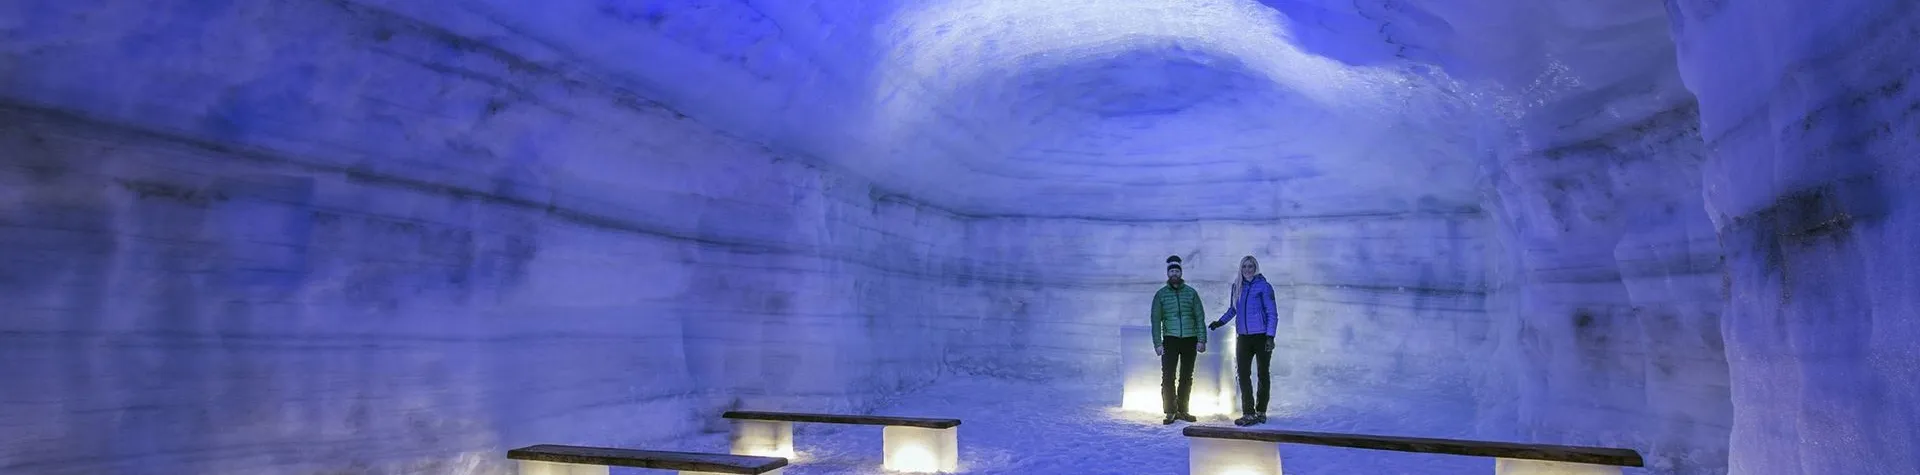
1141, 368
535, 467
1541, 467
1225, 393
922, 450
763, 438
1213, 392
1209, 456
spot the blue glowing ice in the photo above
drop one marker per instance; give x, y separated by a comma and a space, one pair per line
398, 236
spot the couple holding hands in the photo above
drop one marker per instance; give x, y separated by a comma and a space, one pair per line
1177, 337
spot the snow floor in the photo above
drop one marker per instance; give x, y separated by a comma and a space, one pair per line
1029, 428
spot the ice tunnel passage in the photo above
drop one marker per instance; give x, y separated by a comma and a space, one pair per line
399, 236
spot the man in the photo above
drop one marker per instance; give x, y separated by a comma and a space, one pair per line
1252, 301
1178, 334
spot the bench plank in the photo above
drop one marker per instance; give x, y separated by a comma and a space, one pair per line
1553, 453
844, 419
683, 461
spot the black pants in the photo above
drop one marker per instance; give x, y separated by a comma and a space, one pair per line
1248, 350
1178, 356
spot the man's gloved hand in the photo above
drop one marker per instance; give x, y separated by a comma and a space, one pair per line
1269, 345
1158, 351
1203, 347
1215, 325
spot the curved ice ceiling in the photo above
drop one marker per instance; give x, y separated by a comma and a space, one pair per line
1106, 109
1140, 109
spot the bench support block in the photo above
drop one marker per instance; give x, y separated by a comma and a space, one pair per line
1208, 456
1541, 467
763, 438
916, 449
534, 467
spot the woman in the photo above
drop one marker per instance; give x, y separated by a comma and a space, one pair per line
1252, 302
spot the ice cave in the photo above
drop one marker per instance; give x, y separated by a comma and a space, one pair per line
342, 237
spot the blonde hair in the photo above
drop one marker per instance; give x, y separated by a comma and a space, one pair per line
1238, 278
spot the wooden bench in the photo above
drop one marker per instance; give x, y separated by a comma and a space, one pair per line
908, 444
575, 460
1237, 451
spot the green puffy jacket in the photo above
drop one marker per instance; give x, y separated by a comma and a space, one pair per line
1178, 313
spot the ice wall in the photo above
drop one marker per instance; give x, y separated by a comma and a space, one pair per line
307, 236
1610, 296
1810, 111
1603, 286
1518, 202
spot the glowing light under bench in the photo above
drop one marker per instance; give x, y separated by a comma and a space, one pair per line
921, 450
1542, 467
1232, 457
903, 449
908, 444
533, 467
763, 438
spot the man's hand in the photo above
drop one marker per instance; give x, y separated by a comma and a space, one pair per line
1215, 325
1158, 351
1269, 344
1203, 347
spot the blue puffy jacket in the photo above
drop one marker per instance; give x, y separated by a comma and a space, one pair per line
1255, 308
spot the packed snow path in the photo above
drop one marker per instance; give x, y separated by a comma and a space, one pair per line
1030, 429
